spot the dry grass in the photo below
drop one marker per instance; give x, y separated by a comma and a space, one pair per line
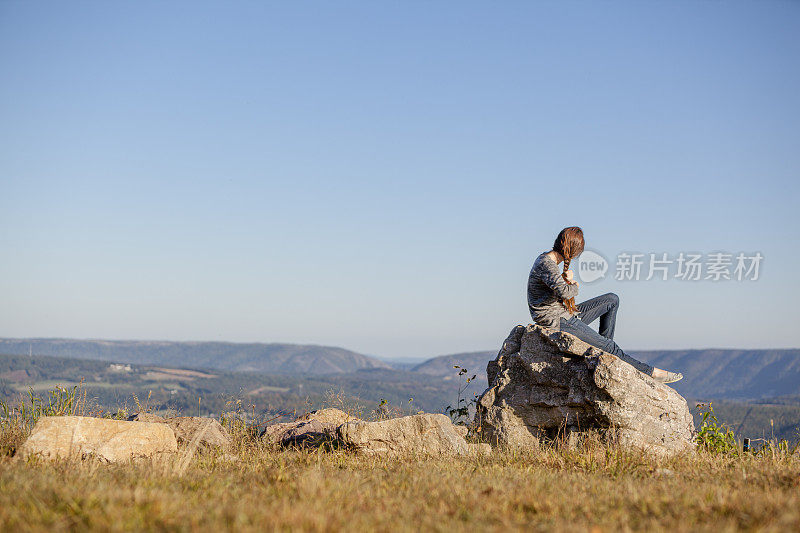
257, 487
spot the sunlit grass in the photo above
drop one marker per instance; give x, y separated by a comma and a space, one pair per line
255, 486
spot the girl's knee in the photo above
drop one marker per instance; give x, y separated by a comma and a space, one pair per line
612, 298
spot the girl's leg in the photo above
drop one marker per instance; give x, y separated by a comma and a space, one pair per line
603, 307
581, 330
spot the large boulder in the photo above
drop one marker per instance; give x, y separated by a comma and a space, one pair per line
422, 434
86, 437
546, 383
309, 430
195, 431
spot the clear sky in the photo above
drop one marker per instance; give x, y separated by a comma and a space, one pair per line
381, 175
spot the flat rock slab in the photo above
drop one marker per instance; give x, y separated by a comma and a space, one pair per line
87, 437
545, 383
423, 434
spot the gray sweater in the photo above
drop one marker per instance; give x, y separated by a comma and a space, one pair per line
546, 289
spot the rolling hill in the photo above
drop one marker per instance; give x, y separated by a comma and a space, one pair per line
442, 366
730, 374
270, 358
736, 375
742, 401
114, 385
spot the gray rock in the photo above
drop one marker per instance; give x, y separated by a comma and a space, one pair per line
108, 440
422, 434
309, 430
545, 383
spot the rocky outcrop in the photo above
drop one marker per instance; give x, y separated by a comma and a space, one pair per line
191, 430
310, 430
423, 434
107, 440
545, 383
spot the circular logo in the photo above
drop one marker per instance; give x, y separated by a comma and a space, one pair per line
591, 266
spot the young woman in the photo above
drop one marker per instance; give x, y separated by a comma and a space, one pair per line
551, 300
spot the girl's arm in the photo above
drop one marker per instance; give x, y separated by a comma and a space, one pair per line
551, 277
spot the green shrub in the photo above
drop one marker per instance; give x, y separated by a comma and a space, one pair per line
715, 437
17, 419
459, 413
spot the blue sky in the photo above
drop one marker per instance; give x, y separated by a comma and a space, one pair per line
381, 175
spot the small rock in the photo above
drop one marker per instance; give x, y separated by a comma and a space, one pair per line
309, 430
423, 434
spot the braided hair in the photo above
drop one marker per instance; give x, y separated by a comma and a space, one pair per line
569, 244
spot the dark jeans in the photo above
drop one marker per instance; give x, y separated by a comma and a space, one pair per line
605, 308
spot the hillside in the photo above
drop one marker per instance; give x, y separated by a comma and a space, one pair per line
730, 374
442, 366
736, 375
270, 358
212, 392
757, 392
756, 420
179, 389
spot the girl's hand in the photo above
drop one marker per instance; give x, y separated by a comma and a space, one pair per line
568, 273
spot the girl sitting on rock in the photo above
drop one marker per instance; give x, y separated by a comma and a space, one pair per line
551, 300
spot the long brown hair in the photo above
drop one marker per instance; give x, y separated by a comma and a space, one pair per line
569, 244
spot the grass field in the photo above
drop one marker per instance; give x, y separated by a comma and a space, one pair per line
255, 486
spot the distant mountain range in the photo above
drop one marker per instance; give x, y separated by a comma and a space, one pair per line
442, 366
757, 392
742, 375
731, 374
270, 358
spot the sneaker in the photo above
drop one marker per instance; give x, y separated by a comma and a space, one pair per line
672, 377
